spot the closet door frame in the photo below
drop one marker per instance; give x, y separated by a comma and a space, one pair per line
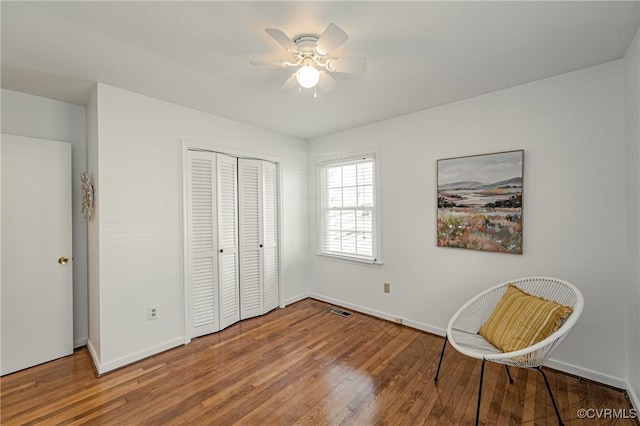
186, 146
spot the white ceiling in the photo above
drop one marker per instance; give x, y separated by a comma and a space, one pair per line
420, 54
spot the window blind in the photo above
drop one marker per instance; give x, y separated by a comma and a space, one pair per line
347, 205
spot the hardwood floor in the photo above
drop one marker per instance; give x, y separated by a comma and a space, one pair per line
297, 366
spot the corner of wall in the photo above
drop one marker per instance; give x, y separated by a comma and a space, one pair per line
93, 252
632, 107
95, 358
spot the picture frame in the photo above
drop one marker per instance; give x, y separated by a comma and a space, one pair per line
480, 202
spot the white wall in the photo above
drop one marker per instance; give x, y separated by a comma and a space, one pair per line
572, 130
37, 117
139, 232
632, 97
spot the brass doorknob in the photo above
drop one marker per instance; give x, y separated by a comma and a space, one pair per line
63, 260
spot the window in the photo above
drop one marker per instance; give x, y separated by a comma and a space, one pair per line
347, 208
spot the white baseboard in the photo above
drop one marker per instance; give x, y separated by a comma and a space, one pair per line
79, 343
379, 314
94, 355
606, 379
297, 298
424, 327
633, 396
361, 309
137, 356
557, 365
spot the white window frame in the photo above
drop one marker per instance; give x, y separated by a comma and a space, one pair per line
321, 164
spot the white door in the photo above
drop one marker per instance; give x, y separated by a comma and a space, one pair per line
202, 244
270, 239
251, 230
36, 287
227, 188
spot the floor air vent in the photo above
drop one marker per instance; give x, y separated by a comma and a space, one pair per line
340, 312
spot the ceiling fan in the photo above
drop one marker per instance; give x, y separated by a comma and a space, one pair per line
312, 55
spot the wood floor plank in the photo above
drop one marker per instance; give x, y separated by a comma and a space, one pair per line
301, 365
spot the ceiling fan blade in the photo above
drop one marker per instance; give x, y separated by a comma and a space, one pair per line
282, 38
272, 64
326, 82
347, 65
332, 38
290, 83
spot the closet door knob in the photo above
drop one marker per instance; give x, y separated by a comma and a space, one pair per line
260, 245
221, 250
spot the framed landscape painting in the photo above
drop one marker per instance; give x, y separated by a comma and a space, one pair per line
480, 202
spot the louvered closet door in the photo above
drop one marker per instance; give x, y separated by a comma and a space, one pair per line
228, 240
202, 242
251, 261
270, 239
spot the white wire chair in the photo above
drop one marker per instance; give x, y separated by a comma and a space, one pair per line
462, 331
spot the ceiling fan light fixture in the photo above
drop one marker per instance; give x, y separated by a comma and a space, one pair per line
307, 76
312, 56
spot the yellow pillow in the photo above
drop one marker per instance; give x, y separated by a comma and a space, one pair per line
520, 320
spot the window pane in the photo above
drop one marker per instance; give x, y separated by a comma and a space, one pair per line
334, 177
335, 241
347, 203
349, 242
365, 196
335, 198
365, 244
349, 175
365, 173
349, 197
349, 220
364, 220
334, 220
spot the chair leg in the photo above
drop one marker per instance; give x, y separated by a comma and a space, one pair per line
480, 391
555, 407
435, 379
508, 373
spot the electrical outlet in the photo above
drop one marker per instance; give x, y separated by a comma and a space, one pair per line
387, 288
152, 312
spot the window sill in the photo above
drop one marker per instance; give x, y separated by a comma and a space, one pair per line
348, 259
